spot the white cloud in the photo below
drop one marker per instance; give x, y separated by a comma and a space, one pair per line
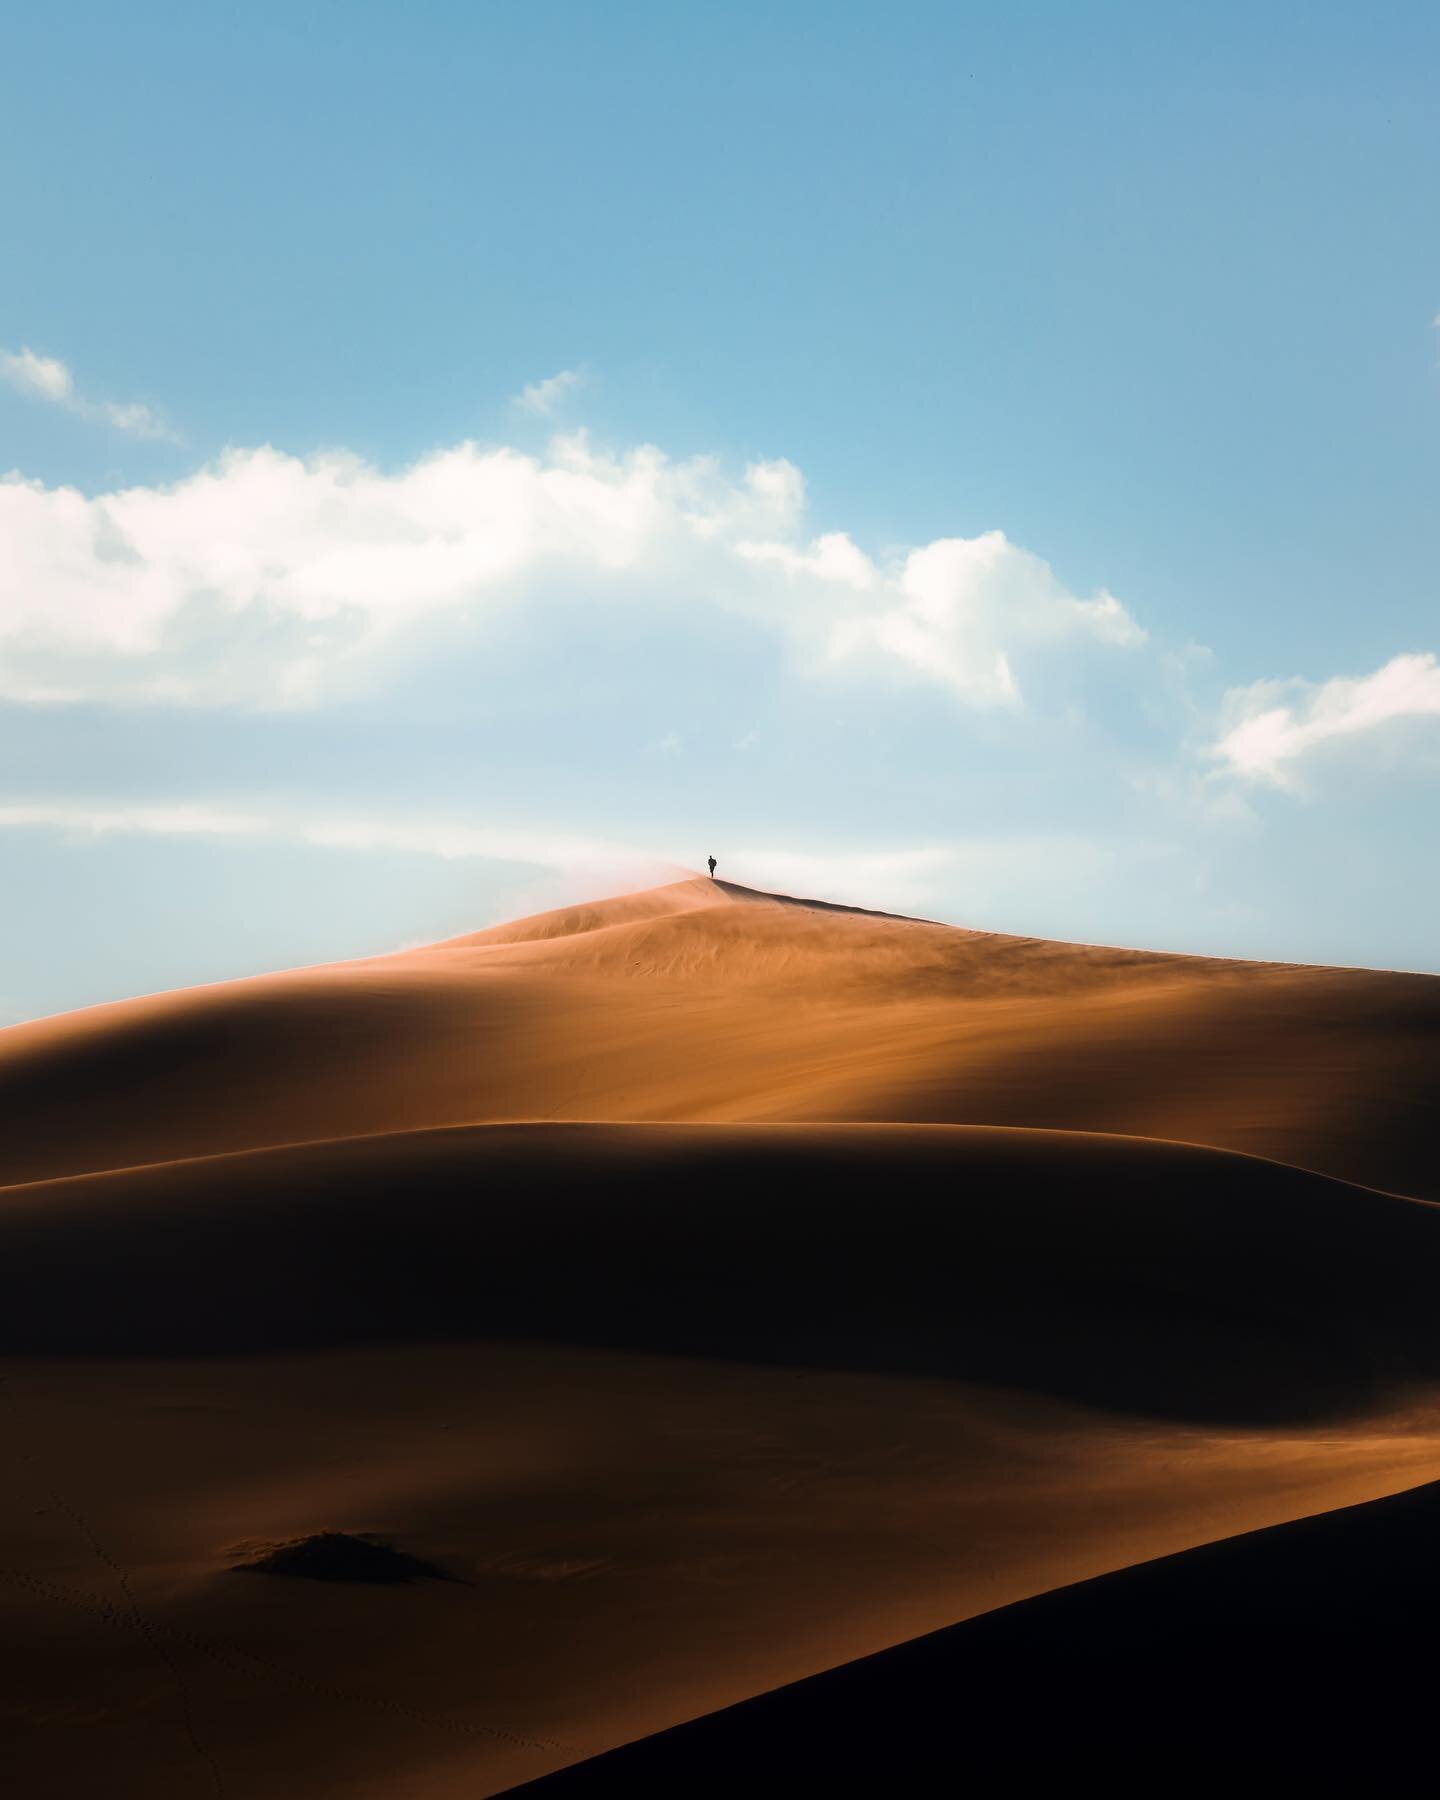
1271, 725
899, 874
158, 820
987, 880
265, 579
138, 420
41, 377
47, 378
895, 879
956, 610
450, 840
545, 398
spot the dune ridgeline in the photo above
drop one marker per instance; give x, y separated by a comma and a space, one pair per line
706, 1338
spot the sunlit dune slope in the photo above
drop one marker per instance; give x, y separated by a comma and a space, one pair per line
705, 1002
1140, 1276
1303, 1653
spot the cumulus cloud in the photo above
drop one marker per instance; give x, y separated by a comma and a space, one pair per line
1272, 725
267, 579
545, 398
47, 378
953, 611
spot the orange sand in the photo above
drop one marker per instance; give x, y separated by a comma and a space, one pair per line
657, 1269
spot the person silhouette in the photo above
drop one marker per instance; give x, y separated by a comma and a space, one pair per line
712, 868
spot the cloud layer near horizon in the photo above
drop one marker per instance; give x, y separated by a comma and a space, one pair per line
910, 875
268, 580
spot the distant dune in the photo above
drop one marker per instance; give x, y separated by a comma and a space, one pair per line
705, 1002
715, 1288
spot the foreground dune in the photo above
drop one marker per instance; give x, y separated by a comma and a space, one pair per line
701, 1290
1301, 1654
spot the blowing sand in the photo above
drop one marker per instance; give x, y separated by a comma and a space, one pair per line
713, 1288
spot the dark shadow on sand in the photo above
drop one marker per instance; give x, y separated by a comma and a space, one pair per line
1300, 1656
338, 1556
1146, 1277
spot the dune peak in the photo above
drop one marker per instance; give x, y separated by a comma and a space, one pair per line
672, 899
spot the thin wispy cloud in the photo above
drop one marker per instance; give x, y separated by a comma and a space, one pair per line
448, 839
40, 377
157, 819
47, 379
545, 398
1273, 725
905, 875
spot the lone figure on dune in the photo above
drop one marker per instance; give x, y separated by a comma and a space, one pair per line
712, 868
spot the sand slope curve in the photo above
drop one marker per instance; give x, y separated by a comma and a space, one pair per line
702, 1002
1301, 1653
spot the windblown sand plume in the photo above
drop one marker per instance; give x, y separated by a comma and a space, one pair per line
713, 1288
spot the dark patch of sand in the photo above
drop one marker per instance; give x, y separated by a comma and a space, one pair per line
337, 1556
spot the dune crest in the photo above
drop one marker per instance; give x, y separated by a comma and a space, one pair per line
695, 894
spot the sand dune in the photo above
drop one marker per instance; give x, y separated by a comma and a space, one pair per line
1142, 1276
1302, 1653
705, 1289
705, 1002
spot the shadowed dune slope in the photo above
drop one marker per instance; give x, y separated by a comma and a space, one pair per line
1119, 1272
1304, 1651
705, 1002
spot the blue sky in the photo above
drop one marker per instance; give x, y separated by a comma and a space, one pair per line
973, 459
